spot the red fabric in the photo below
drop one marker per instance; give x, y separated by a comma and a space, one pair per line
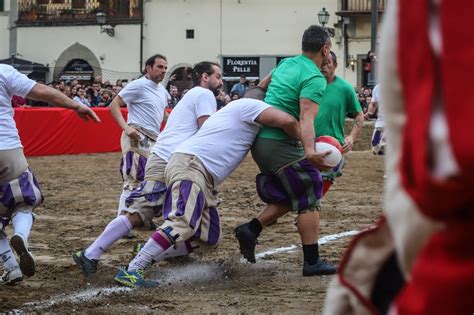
55, 131
443, 276
419, 69
326, 185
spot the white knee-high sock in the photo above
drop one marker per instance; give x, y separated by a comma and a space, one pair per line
6, 255
22, 223
124, 195
156, 245
116, 229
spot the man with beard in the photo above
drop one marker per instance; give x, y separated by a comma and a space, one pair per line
146, 202
146, 100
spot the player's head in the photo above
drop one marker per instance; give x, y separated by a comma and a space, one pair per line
255, 92
329, 65
156, 67
207, 75
316, 40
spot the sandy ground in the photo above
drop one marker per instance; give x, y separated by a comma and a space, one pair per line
81, 197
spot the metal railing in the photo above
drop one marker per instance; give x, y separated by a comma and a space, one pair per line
37, 13
361, 5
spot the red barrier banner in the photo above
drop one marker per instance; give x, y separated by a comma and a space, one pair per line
56, 131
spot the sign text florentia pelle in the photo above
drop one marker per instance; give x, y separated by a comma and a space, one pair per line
237, 66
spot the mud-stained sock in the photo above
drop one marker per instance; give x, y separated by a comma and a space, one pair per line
255, 226
123, 196
22, 223
154, 247
311, 253
115, 230
6, 256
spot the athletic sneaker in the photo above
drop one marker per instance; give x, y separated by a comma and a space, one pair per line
88, 266
318, 269
247, 242
27, 263
130, 278
11, 276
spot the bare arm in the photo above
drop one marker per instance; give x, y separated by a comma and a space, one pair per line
355, 132
371, 109
114, 108
201, 120
273, 117
265, 82
308, 112
41, 92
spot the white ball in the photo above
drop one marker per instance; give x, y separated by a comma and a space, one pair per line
334, 158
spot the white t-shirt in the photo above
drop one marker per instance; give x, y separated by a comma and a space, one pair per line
12, 83
225, 138
182, 122
376, 98
146, 102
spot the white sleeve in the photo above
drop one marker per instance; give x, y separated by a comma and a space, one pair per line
251, 109
19, 84
205, 104
129, 92
375, 94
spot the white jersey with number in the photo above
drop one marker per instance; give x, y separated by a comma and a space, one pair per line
12, 83
146, 102
182, 122
226, 137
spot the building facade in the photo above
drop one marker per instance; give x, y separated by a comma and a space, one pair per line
246, 36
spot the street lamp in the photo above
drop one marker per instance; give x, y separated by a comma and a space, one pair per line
101, 19
323, 17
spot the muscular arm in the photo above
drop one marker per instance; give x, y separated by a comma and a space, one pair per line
308, 112
273, 117
41, 92
265, 82
355, 132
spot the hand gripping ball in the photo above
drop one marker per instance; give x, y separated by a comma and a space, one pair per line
328, 143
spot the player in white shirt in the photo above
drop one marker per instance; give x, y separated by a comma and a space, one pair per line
146, 202
20, 192
146, 100
378, 137
196, 168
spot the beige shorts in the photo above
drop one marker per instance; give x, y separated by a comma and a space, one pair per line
134, 157
19, 188
147, 199
12, 164
189, 207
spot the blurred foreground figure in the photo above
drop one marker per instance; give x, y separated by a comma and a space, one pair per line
419, 258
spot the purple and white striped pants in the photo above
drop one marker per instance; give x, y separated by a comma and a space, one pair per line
20, 194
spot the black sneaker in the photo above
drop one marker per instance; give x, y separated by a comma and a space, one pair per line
320, 268
247, 242
88, 266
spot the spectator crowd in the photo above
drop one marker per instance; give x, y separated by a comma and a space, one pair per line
101, 93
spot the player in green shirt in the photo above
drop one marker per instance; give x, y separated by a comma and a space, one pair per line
339, 99
290, 176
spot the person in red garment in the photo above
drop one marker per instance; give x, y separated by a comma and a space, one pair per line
20, 192
419, 259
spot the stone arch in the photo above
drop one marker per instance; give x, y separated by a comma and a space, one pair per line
177, 67
76, 51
